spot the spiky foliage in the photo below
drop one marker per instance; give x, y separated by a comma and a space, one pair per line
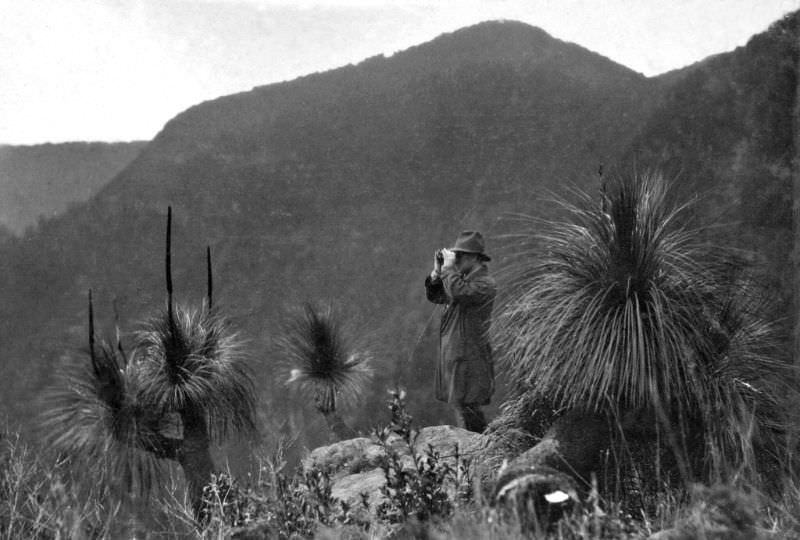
94, 418
191, 364
520, 423
623, 307
321, 357
185, 386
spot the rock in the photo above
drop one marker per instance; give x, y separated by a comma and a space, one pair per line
350, 487
445, 440
350, 456
355, 468
360, 454
355, 464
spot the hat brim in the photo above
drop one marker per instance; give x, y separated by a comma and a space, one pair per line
482, 255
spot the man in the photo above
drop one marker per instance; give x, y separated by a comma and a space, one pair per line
464, 371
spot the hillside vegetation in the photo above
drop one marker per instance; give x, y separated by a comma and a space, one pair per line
41, 181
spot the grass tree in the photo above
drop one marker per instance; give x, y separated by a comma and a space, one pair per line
183, 387
324, 363
622, 315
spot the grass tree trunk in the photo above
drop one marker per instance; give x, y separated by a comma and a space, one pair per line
572, 446
336, 424
581, 445
792, 438
542, 483
195, 459
796, 219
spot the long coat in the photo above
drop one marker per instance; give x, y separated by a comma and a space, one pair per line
464, 370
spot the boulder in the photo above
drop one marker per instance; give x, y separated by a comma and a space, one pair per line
349, 488
350, 456
355, 464
446, 439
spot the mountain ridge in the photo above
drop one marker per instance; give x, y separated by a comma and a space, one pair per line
37, 181
380, 74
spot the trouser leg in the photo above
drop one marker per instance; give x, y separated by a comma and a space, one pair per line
460, 420
470, 417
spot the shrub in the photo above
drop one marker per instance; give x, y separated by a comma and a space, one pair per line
430, 488
623, 307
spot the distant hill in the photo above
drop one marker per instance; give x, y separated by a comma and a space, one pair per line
338, 187
728, 131
43, 180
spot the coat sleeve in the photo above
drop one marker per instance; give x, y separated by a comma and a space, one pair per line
434, 290
467, 291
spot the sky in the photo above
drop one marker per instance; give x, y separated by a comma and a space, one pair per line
117, 70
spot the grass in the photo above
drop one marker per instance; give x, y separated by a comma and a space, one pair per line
39, 499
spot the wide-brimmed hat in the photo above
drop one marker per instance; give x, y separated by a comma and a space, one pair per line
471, 242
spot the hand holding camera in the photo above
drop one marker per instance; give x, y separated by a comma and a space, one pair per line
448, 258
444, 258
438, 261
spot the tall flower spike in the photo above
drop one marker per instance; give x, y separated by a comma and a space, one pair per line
92, 354
210, 278
117, 333
168, 270
193, 363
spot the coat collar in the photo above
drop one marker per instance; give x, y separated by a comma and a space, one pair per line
477, 271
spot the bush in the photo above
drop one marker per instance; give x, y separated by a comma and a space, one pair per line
430, 487
419, 488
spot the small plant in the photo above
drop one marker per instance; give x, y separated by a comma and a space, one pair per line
225, 503
303, 503
275, 504
419, 487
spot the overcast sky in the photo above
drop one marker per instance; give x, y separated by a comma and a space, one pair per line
119, 69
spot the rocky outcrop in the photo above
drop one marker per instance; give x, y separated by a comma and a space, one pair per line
355, 464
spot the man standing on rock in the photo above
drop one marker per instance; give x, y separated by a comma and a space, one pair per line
465, 370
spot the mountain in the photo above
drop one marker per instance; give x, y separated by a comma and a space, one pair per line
338, 187
728, 132
42, 180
